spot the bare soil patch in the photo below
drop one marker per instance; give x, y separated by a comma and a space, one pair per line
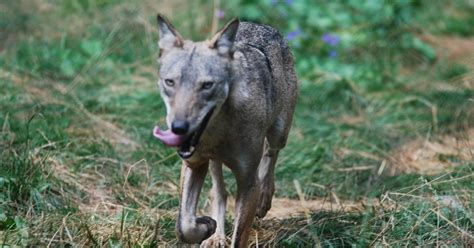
454, 48
431, 156
283, 208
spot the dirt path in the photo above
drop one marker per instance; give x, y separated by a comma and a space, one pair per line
285, 208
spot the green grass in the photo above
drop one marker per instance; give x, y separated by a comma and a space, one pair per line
78, 100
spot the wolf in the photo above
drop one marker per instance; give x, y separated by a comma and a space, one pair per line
229, 100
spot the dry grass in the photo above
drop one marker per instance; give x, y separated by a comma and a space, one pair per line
433, 155
453, 48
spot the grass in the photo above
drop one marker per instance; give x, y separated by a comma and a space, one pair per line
78, 100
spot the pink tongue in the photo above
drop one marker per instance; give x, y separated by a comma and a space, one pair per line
168, 137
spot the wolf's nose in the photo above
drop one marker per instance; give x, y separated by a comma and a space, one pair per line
180, 127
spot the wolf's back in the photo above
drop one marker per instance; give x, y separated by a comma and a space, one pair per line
269, 61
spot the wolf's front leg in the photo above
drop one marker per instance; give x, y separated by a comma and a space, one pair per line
218, 206
192, 229
246, 203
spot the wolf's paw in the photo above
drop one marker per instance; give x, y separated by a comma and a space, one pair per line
210, 223
266, 195
216, 240
193, 233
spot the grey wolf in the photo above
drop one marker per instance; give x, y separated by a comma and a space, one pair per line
229, 100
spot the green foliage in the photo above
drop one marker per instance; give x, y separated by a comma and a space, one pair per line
459, 26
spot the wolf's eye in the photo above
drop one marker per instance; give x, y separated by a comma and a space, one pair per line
169, 82
207, 85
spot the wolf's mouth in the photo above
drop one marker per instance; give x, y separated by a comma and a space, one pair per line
186, 144
191, 141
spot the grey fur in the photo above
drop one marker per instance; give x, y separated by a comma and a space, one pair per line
253, 98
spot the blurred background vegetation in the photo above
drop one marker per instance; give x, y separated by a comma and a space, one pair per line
383, 131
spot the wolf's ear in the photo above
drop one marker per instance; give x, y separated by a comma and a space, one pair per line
224, 39
169, 37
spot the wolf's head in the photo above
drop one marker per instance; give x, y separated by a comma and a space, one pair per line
194, 82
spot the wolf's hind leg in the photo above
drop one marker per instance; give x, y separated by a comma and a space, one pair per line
218, 206
275, 140
266, 177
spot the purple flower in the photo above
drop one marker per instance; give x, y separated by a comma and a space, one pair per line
330, 39
293, 34
333, 54
287, 2
220, 14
